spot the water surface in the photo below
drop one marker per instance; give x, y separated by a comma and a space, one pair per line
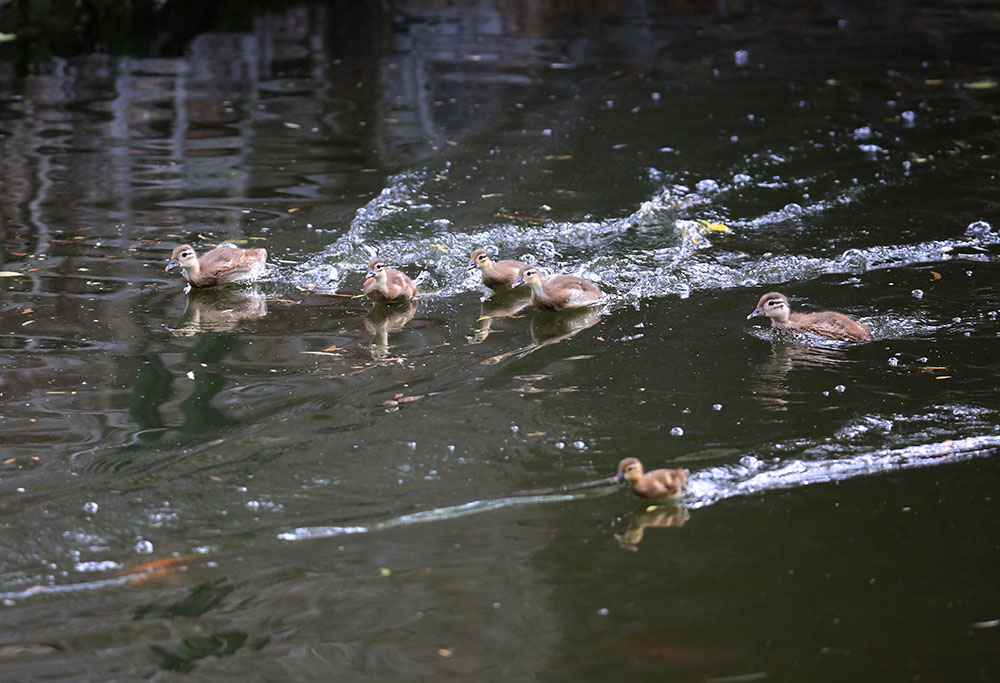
281, 482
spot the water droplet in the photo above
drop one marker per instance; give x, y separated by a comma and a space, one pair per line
893, 362
677, 431
90, 507
917, 293
579, 445
143, 547
514, 428
741, 57
716, 406
841, 388
604, 611
560, 445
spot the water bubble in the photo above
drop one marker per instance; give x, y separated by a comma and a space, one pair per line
604, 611
978, 229
143, 547
560, 445
547, 132
716, 406
579, 445
707, 185
514, 428
655, 96
908, 117
893, 362
741, 179
917, 293
677, 431
792, 209
451, 448
741, 57
90, 507
862, 133
253, 505
840, 388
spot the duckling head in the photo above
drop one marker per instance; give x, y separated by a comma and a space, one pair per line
479, 259
376, 269
774, 306
529, 275
630, 470
183, 256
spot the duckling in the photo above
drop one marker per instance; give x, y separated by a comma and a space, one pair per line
558, 292
496, 274
387, 285
655, 484
826, 324
225, 264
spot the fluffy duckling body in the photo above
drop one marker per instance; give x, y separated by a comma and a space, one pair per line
387, 285
223, 265
826, 324
558, 292
654, 484
496, 274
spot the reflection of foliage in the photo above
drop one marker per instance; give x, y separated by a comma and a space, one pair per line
201, 599
183, 657
140, 27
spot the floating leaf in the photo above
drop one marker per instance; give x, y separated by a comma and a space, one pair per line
384, 571
936, 275
444, 652
10, 273
440, 248
7, 37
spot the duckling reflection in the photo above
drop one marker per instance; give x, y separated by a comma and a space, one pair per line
770, 377
384, 319
219, 310
551, 327
664, 514
503, 304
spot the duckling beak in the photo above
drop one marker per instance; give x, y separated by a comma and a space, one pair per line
518, 281
619, 478
171, 264
471, 266
370, 273
757, 312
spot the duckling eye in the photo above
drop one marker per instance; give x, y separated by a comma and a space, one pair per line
379, 266
185, 254
481, 257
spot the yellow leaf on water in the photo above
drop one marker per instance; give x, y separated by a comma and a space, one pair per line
10, 273
936, 275
292, 210
715, 227
384, 571
440, 248
981, 84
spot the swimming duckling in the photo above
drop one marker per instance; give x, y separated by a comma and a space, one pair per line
558, 292
496, 274
387, 285
225, 264
826, 324
655, 484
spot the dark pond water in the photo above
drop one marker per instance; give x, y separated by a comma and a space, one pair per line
280, 483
